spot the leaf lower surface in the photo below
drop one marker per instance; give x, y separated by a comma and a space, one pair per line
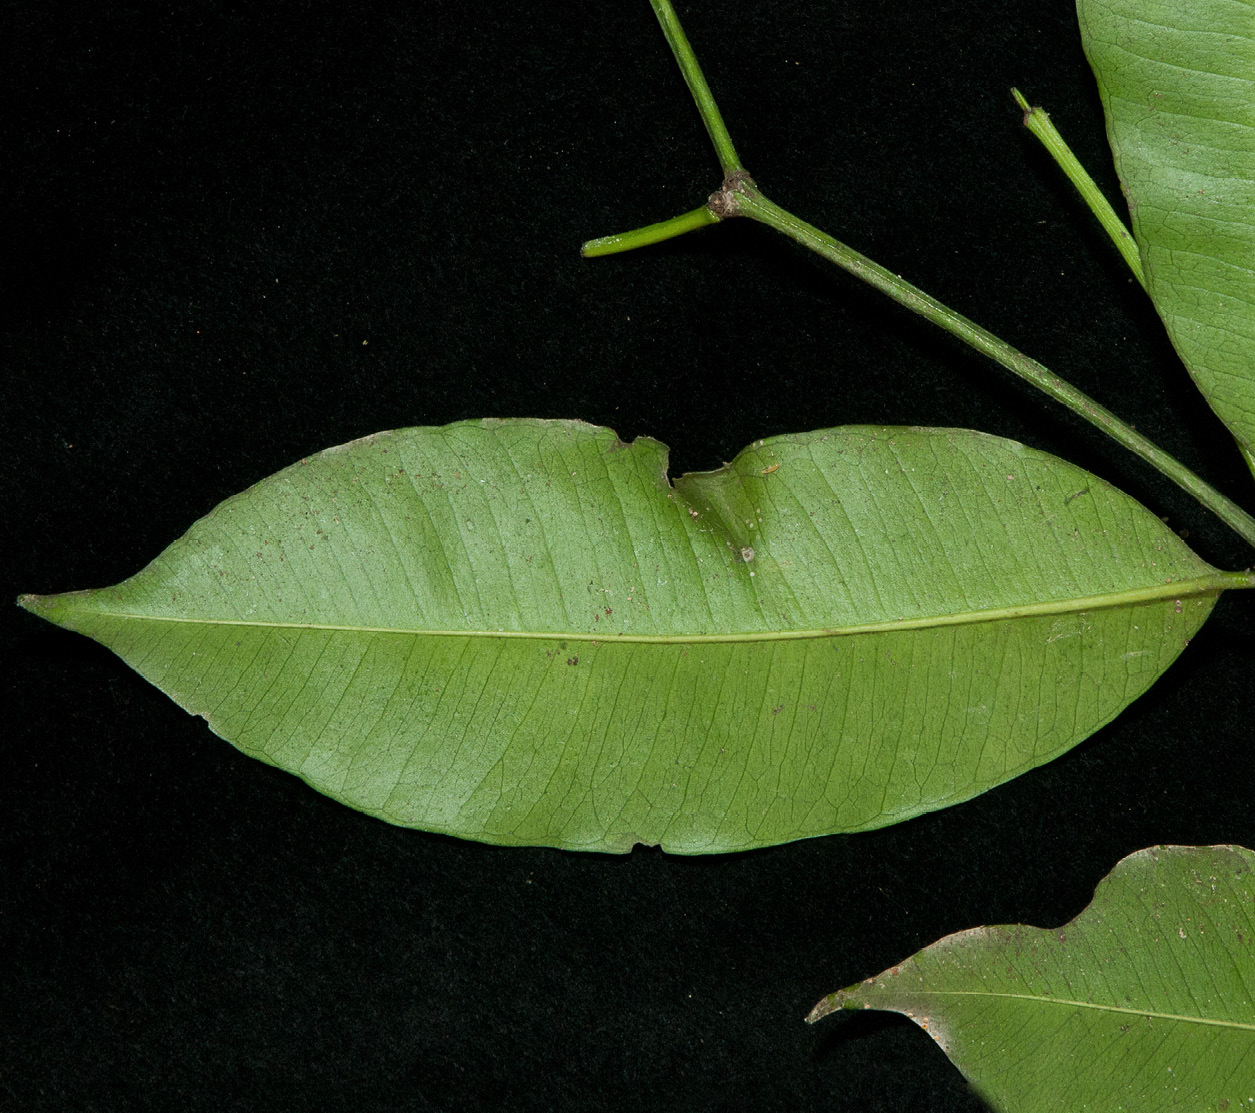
1145, 1002
1177, 80
521, 632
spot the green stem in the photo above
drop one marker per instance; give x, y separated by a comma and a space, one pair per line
751, 203
1037, 121
651, 233
692, 72
739, 197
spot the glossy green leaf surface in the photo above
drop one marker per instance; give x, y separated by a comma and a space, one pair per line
1145, 1002
1177, 79
522, 632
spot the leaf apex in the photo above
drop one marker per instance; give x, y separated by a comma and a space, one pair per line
822, 1009
54, 608
33, 603
841, 999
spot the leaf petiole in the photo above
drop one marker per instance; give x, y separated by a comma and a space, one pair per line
1038, 121
651, 233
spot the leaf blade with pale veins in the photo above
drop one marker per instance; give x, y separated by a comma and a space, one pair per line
520, 632
1177, 81
1144, 1002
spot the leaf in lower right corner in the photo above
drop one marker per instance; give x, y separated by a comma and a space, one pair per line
1177, 79
1145, 1002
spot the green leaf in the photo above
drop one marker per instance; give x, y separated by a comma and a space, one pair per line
1177, 79
520, 632
1144, 1002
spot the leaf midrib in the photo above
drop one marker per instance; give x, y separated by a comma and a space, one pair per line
1154, 1015
1203, 585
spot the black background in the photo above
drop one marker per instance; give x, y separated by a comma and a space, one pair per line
239, 233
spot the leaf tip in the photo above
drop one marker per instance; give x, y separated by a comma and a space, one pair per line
829, 1004
54, 608
32, 603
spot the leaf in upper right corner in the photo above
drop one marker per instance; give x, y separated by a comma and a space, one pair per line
1177, 79
1145, 1002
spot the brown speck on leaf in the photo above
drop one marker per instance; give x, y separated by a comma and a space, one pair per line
572, 660
769, 469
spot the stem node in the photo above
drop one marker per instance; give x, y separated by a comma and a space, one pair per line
725, 201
